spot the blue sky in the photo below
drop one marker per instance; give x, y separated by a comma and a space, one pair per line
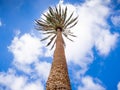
93, 58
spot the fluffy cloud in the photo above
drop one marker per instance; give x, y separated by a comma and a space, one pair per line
26, 49
89, 84
106, 42
43, 69
11, 81
118, 86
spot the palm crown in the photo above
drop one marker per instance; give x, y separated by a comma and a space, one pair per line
56, 18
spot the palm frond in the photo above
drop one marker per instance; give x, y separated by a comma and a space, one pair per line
60, 13
67, 37
53, 45
69, 33
56, 10
68, 19
72, 35
72, 25
65, 15
51, 11
46, 38
51, 40
70, 22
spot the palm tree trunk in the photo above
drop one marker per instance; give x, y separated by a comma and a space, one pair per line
59, 78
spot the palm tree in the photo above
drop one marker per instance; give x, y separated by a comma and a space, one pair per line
56, 23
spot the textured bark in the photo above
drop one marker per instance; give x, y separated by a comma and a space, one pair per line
59, 78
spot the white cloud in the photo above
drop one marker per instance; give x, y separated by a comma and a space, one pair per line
106, 42
43, 69
11, 81
118, 86
89, 84
34, 86
26, 49
61, 1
